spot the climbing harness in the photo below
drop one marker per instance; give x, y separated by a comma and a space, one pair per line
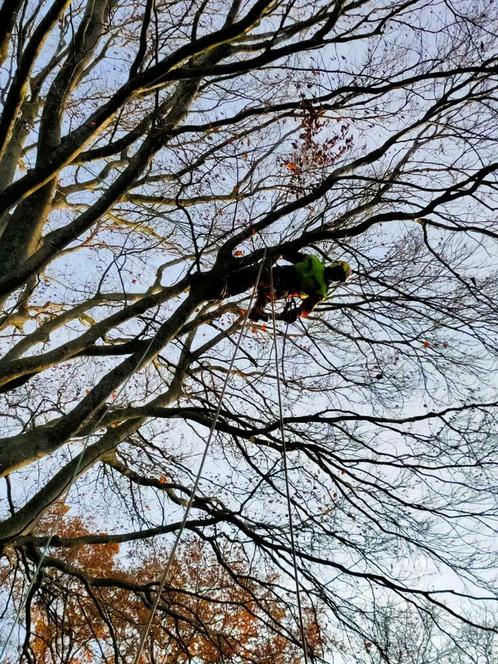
290, 305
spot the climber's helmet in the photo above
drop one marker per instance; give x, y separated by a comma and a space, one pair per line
337, 271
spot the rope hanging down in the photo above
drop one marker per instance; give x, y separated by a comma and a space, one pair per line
286, 475
66, 492
199, 471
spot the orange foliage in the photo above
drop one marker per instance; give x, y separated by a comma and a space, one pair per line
93, 559
292, 166
204, 613
81, 623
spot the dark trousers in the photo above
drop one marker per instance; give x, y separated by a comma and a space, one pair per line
285, 281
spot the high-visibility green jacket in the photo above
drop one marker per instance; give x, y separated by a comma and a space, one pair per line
310, 272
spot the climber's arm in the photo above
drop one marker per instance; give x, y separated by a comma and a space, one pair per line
303, 311
308, 305
293, 256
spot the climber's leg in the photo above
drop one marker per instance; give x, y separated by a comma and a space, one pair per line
233, 284
241, 281
284, 281
258, 310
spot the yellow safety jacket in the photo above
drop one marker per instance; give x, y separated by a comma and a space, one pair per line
311, 278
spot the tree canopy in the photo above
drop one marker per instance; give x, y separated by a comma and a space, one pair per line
148, 151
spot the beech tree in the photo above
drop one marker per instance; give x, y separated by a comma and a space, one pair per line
145, 143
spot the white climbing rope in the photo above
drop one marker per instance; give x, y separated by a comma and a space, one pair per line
66, 491
286, 475
199, 471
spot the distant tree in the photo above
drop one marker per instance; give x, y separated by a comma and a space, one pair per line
148, 151
211, 613
410, 637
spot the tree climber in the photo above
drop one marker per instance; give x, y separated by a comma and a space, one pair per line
308, 278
